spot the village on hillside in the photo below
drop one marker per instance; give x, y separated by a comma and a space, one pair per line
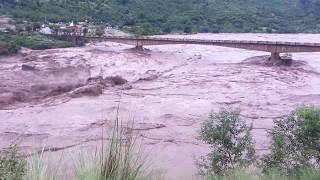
16, 34
86, 28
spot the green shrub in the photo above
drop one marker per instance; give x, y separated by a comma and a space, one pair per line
8, 45
13, 47
41, 42
246, 174
295, 142
12, 166
231, 143
11, 44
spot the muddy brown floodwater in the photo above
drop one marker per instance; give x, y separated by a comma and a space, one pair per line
63, 97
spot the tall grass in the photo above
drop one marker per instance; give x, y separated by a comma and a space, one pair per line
42, 167
118, 160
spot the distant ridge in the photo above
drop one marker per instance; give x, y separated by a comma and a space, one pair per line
147, 17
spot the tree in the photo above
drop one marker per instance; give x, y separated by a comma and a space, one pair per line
36, 26
29, 28
230, 140
55, 29
295, 142
187, 29
123, 1
11, 165
20, 28
182, 15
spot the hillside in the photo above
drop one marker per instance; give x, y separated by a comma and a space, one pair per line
165, 16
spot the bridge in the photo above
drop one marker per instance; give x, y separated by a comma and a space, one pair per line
275, 48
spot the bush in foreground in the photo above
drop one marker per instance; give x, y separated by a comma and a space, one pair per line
117, 161
231, 143
295, 147
12, 166
295, 142
245, 174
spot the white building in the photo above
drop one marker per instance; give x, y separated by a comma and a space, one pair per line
45, 30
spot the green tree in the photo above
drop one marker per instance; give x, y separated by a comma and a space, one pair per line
231, 143
29, 28
12, 167
55, 29
20, 28
295, 142
36, 26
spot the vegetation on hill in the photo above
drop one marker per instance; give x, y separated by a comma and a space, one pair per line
164, 16
12, 43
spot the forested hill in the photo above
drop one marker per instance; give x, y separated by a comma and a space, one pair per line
165, 16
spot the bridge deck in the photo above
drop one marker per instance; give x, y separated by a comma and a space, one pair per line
275, 47
187, 40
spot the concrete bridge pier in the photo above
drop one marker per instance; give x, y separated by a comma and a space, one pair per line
275, 57
139, 47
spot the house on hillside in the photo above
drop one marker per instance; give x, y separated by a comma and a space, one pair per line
70, 29
45, 29
92, 29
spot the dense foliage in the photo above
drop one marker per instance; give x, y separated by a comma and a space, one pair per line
10, 44
165, 16
230, 140
12, 166
294, 150
295, 142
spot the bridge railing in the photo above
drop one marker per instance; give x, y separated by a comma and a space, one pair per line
209, 41
215, 41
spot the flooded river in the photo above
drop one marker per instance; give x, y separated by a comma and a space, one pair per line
169, 91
